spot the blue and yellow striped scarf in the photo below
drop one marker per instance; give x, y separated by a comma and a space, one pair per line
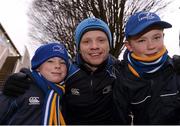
140, 65
51, 109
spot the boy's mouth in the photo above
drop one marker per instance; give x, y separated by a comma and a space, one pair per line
151, 54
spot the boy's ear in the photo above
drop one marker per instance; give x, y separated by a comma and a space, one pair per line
128, 45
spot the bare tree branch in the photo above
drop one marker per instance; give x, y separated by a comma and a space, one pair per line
57, 19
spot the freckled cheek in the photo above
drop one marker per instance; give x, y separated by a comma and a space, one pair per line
162, 45
84, 52
160, 48
139, 49
64, 71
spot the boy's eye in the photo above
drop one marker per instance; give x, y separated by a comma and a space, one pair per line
101, 40
85, 41
62, 62
141, 40
50, 61
157, 37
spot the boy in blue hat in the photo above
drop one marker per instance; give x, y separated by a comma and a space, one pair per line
88, 98
147, 86
41, 102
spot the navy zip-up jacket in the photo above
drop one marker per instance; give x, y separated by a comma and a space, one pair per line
88, 98
154, 99
25, 109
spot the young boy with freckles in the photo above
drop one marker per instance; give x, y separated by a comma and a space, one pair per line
40, 104
147, 86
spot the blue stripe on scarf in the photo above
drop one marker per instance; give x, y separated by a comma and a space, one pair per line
40, 81
46, 109
57, 109
44, 83
49, 89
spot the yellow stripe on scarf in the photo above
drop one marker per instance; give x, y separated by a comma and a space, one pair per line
150, 58
53, 111
62, 118
133, 70
62, 87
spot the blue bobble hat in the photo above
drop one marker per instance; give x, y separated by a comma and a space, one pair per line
91, 24
141, 20
47, 51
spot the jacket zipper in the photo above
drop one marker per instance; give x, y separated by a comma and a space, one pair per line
91, 83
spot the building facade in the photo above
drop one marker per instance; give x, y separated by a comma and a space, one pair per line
11, 60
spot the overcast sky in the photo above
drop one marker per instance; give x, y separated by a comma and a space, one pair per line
15, 21
172, 15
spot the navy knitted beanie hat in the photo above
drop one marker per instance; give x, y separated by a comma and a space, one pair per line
47, 51
91, 24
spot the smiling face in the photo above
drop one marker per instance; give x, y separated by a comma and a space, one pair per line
147, 44
94, 47
53, 69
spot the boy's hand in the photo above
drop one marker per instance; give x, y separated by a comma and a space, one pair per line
16, 84
176, 61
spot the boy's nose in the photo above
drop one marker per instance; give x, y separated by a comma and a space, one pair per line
150, 44
58, 65
94, 45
